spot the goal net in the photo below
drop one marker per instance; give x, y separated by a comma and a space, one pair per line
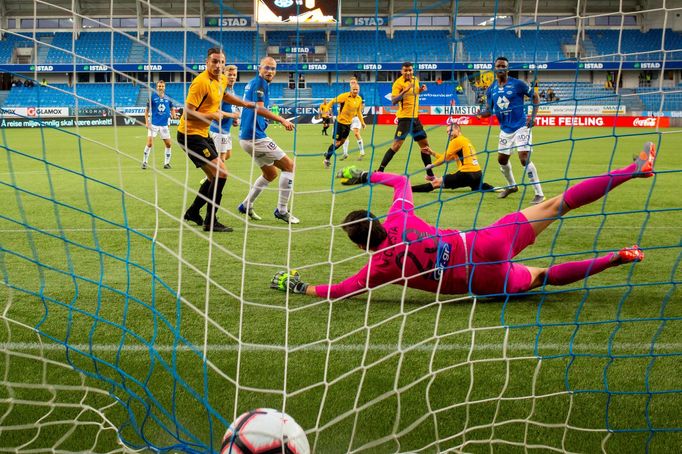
125, 328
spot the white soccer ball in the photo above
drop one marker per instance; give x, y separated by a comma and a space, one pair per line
264, 430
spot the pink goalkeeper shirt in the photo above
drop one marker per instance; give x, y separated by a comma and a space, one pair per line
414, 251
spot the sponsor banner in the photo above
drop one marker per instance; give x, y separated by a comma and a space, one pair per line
35, 112
454, 110
555, 120
55, 122
364, 21
656, 113
228, 21
296, 50
567, 109
343, 67
135, 111
604, 120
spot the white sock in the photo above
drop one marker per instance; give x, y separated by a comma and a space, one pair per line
260, 184
345, 147
507, 172
533, 177
361, 145
167, 156
147, 150
286, 182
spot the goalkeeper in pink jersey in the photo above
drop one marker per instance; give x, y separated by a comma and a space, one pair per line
406, 248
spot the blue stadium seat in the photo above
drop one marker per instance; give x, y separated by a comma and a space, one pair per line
534, 45
87, 95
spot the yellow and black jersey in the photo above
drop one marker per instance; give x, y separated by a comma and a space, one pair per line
206, 94
462, 151
408, 107
349, 107
325, 110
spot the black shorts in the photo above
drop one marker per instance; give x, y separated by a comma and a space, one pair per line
200, 150
326, 121
341, 131
409, 126
463, 179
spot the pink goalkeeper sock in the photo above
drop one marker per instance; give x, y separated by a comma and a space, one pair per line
566, 273
595, 188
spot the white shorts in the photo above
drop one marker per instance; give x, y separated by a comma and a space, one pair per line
263, 151
355, 123
223, 142
519, 140
154, 131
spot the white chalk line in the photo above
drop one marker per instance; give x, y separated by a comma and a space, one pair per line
617, 348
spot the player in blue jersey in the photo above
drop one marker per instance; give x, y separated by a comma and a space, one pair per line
505, 98
264, 151
162, 110
220, 132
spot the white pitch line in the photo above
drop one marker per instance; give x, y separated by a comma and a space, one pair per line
578, 348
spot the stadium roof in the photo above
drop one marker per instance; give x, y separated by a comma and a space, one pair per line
178, 8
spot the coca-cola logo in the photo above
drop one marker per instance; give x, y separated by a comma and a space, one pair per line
458, 120
644, 122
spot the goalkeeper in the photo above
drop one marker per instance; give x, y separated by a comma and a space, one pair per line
468, 173
405, 250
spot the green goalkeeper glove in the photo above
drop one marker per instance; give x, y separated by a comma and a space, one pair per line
352, 175
283, 280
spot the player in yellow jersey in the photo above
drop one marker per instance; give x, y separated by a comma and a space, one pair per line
202, 106
326, 116
468, 173
350, 106
405, 94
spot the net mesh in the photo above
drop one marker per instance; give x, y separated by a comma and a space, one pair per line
126, 329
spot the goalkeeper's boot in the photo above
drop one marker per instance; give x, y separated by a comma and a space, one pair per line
216, 226
507, 191
193, 216
430, 178
286, 217
252, 214
630, 254
645, 161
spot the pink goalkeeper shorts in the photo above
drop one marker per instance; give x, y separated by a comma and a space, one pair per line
491, 250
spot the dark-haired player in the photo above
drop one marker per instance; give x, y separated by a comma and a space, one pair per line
505, 98
405, 94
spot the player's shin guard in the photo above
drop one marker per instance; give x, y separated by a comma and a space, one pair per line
387, 158
595, 188
361, 146
567, 273
258, 186
532, 174
200, 199
167, 157
330, 152
345, 146
286, 182
147, 150
216, 196
426, 159
426, 187
506, 170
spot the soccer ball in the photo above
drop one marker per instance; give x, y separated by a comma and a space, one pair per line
264, 430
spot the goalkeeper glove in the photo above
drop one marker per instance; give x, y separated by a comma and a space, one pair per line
283, 280
352, 175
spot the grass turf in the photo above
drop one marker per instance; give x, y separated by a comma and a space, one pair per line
96, 256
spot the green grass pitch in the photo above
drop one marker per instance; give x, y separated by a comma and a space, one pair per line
94, 254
